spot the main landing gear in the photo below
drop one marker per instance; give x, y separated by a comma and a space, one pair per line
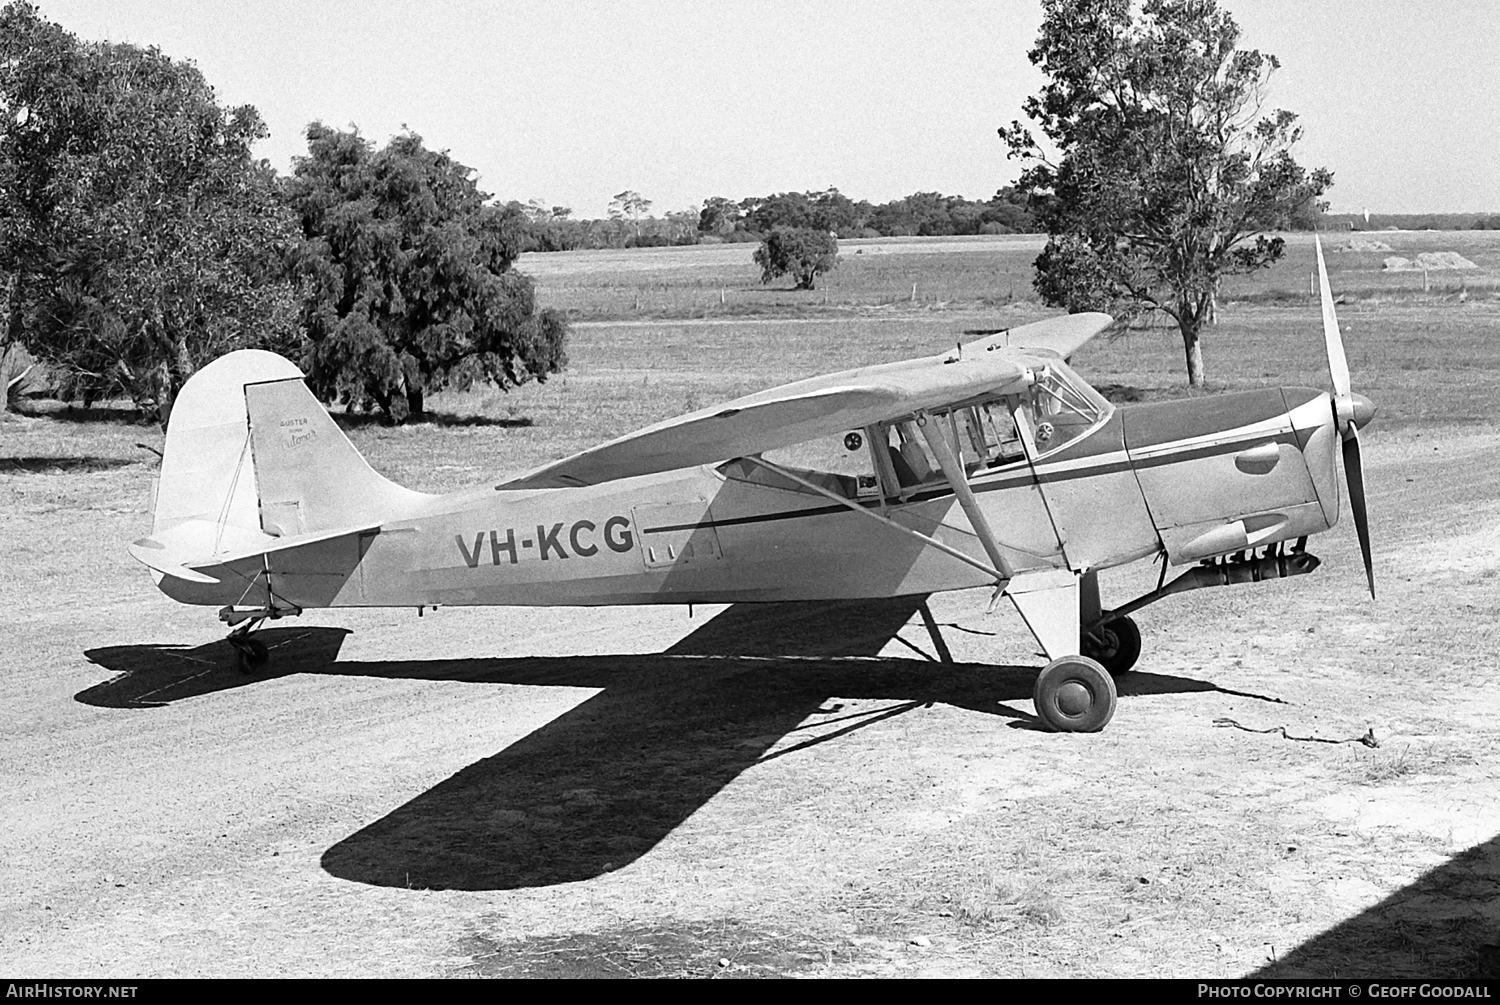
1076, 694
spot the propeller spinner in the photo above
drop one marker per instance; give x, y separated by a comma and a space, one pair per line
1351, 412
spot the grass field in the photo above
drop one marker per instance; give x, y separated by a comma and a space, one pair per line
753, 792
984, 272
1426, 364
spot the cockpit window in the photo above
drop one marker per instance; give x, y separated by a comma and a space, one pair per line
1061, 408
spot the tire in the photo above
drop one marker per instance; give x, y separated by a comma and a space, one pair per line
250, 655
1074, 694
1114, 645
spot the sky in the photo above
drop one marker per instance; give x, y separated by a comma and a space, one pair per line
573, 101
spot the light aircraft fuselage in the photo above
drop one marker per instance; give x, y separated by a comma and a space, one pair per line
1196, 478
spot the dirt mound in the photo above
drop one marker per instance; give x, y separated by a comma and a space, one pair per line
1362, 244
1428, 261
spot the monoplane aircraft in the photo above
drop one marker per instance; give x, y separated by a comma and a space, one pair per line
993, 464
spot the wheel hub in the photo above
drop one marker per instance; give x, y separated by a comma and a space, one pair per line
1074, 698
1103, 644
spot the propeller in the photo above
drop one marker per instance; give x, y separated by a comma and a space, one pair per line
1350, 412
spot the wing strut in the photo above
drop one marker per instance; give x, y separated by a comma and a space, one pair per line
1000, 577
954, 472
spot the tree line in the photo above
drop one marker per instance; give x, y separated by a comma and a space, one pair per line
922, 214
140, 239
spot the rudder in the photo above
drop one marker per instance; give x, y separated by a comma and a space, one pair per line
309, 477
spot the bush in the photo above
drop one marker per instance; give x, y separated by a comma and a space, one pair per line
800, 252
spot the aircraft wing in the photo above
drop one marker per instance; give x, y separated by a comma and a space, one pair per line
794, 413
1063, 335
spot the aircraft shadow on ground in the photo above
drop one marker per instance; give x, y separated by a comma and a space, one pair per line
1446, 925
600, 785
154, 675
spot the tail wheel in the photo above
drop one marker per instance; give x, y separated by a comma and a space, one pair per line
250, 654
1074, 694
1114, 645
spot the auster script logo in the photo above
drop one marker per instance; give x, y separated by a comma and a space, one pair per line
296, 432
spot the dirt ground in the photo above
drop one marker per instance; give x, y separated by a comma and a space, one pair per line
753, 790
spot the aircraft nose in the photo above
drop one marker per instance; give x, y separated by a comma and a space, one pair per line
1364, 410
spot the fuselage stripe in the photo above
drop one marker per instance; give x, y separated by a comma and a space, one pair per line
1048, 473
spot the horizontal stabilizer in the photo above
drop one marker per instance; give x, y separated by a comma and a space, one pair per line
174, 551
153, 555
191, 550
273, 545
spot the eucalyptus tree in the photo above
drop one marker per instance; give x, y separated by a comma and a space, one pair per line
1164, 172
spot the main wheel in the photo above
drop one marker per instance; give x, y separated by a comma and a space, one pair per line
1074, 695
1114, 645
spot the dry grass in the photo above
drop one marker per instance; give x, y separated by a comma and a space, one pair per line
1407, 759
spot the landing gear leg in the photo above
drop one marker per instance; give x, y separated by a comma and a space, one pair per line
250, 653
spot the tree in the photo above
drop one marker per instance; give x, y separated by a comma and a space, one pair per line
1167, 172
833, 211
682, 226
1007, 213
138, 236
718, 216
38, 63
629, 204
800, 252
409, 276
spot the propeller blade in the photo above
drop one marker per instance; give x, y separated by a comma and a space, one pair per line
1338, 365
1354, 471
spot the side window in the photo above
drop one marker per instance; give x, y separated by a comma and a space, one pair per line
997, 429
911, 461
839, 464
